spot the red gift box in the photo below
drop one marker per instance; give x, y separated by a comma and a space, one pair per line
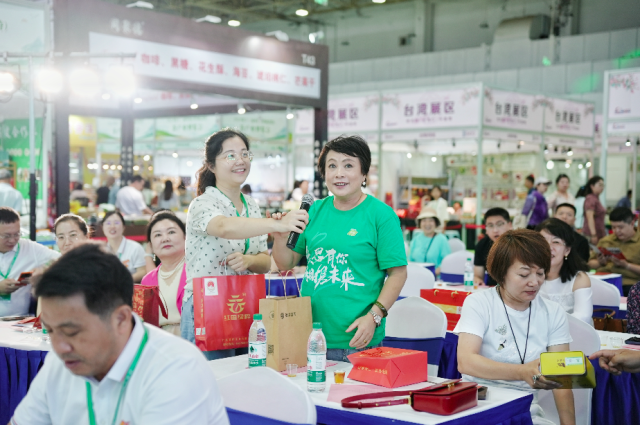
389, 367
147, 304
448, 301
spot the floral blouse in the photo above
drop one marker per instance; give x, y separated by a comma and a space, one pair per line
633, 310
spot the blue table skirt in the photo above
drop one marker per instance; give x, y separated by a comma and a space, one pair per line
615, 281
433, 346
277, 288
452, 277
17, 370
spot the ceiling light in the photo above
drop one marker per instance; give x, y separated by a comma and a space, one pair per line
119, 167
570, 152
210, 18
580, 166
628, 143
105, 167
106, 96
49, 80
302, 12
85, 82
138, 100
567, 164
550, 165
8, 83
120, 80
234, 23
315, 36
175, 154
588, 164
290, 114
409, 155
113, 167
136, 168
146, 158
378, 1
434, 159
141, 4
194, 106
280, 35
241, 109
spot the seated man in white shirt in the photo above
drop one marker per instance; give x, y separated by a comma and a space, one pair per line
129, 199
9, 196
17, 256
108, 366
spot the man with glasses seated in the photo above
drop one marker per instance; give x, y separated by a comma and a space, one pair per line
567, 213
496, 223
17, 256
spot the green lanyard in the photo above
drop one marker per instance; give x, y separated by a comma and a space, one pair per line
92, 415
246, 209
15, 256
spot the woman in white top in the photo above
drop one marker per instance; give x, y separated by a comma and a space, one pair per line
439, 205
503, 330
225, 231
566, 283
129, 252
167, 199
579, 204
300, 188
561, 195
166, 235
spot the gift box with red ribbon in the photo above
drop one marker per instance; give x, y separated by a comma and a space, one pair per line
448, 301
389, 367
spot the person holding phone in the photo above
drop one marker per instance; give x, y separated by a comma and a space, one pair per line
17, 256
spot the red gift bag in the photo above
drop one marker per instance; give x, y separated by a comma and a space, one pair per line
449, 301
389, 367
223, 309
147, 304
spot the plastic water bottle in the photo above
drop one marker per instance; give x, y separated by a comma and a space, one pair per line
257, 342
316, 360
468, 273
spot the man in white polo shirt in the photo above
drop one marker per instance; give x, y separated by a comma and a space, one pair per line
17, 256
108, 366
9, 196
129, 199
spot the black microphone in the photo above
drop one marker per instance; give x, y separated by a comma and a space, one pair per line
307, 201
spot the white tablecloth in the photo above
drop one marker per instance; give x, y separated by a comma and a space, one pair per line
13, 337
495, 397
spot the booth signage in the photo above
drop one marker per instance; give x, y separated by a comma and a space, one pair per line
405, 136
569, 117
623, 128
14, 139
22, 28
513, 110
354, 114
431, 109
186, 128
304, 121
218, 69
624, 95
263, 126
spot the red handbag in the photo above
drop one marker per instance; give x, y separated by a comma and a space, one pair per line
147, 304
447, 398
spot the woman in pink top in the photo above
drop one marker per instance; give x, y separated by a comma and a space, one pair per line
166, 235
594, 212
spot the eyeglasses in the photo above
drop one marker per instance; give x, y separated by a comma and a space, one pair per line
233, 157
499, 225
11, 236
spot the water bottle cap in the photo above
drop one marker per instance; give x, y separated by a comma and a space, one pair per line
317, 325
257, 317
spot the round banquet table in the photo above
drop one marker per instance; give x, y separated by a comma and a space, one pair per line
503, 406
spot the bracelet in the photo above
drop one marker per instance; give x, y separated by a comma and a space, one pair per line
148, 255
382, 308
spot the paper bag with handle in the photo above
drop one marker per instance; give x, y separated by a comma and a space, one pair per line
289, 323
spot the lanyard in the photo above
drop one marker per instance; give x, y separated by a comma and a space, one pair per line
15, 256
92, 415
526, 343
246, 209
429, 246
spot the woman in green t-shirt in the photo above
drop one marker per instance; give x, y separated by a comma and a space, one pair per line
352, 242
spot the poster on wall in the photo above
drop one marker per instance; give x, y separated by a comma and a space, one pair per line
22, 28
563, 116
14, 139
304, 121
263, 126
511, 110
431, 109
624, 95
186, 128
353, 114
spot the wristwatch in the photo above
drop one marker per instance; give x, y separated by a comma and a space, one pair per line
376, 317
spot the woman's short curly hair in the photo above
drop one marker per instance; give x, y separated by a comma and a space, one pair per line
527, 246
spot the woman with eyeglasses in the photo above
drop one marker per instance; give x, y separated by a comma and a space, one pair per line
129, 252
226, 233
566, 283
71, 231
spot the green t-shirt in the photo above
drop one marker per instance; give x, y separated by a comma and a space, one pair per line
347, 255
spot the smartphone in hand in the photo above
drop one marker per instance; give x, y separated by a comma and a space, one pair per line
24, 278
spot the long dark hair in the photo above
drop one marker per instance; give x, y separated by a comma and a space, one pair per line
593, 180
574, 263
168, 190
212, 148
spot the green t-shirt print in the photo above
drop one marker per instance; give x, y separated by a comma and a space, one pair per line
348, 253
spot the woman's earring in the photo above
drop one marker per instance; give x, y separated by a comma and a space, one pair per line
154, 258
364, 183
566, 258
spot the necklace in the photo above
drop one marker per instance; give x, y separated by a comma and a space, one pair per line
168, 275
360, 200
522, 358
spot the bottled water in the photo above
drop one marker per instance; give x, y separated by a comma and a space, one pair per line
257, 342
316, 360
468, 273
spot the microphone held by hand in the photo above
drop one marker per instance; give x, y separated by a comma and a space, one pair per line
307, 201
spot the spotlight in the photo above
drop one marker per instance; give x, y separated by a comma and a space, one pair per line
85, 82
138, 100
569, 152
120, 80
588, 164
194, 106
567, 164
113, 167
379, 1
119, 167
175, 154
210, 18
8, 83
302, 12
280, 35
580, 166
241, 109
627, 143
315, 36
146, 158
233, 23
550, 165
49, 80
105, 167
136, 168
434, 159
409, 155
141, 4
290, 115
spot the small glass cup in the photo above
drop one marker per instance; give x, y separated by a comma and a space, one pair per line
292, 370
616, 342
338, 376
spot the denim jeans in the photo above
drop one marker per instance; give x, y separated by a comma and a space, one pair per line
187, 331
340, 355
